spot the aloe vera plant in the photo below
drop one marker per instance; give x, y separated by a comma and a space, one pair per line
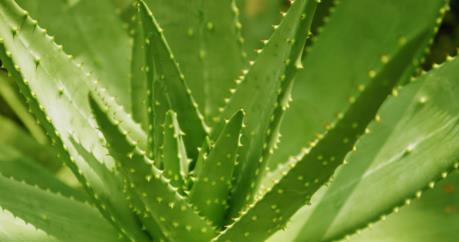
174, 132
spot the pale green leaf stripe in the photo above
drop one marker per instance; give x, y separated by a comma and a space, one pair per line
14, 229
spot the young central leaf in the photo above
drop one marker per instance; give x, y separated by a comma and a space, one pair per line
161, 60
257, 94
211, 188
172, 212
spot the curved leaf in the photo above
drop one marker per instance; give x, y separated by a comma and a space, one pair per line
205, 38
161, 60
16, 230
433, 218
61, 217
163, 204
352, 46
212, 185
411, 145
55, 89
92, 32
319, 162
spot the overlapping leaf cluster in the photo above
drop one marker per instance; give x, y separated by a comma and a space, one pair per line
174, 133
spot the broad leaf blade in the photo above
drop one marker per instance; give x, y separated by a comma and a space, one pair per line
93, 32
22, 168
173, 154
352, 46
16, 230
61, 217
138, 77
162, 61
432, 218
15, 136
55, 89
414, 142
257, 94
257, 18
205, 38
212, 185
318, 164
11, 96
164, 205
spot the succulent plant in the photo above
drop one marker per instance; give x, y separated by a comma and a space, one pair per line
172, 130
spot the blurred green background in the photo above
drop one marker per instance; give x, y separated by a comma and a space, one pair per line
258, 16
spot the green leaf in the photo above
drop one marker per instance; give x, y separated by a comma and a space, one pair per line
55, 90
258, 17
92, 32
22, 168
318, 164
16, 230
11, 95
352, 46
205, 38
173, 153
162, 61
111, 178
412, 144
165, 206
138, 78
63, 218
197, 166
160, 104
432, 218
14, 136
212, 185
258, 92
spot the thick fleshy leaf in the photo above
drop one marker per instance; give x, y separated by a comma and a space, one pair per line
16, 137
160, 62
352, 46
22, 168
162, 203
138, 77
433, 218
93, 32
257, 95
55, 89
61, 217
15, 229
173, 153
12, 97
205, 39
257, 18
319, 162
411, 144
212, 185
